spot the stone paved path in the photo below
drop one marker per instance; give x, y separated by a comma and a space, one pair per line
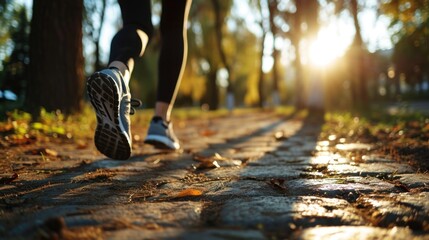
275, 179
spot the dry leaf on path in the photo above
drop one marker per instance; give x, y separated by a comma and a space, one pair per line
189, 193
217, 156
80, 144
280, 136
17, 141
207, 132
214, 161
207, 164
200, 158
236, 162
278, 184
44, 151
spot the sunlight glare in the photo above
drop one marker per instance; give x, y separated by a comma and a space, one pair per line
327, 47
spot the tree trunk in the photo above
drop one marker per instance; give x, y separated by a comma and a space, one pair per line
299, 80
397, 83
272, 6
361, 94
295, 39
97, 63
261, 58
261, 79
212, 92
56, 59
219, 39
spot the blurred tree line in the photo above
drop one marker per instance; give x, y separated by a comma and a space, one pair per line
46, 53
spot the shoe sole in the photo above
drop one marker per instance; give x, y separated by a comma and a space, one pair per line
110, 136
161, 142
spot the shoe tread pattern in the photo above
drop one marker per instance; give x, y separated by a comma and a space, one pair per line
109, 138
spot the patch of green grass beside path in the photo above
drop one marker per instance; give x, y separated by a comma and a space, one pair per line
403, 136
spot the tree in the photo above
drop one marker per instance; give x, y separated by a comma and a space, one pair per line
359, 83
411, 50
303, 23
6, 15
16, 65
273, 12
201, 49
56, 59
410, 58
261, 79
356, 54
93, 24
221, 9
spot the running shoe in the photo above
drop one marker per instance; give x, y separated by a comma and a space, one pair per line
113, 105
161, 135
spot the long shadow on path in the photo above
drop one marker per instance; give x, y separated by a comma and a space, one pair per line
76, 196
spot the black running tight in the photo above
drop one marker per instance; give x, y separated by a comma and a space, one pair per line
127, 45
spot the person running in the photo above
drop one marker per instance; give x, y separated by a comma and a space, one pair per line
108, 89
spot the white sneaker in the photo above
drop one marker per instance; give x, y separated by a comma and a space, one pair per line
161, 135
112, 102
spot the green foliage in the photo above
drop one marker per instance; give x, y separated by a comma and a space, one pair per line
370, 125
410, 19
406, 15
11, 19
20, 125
14, 74
55, 124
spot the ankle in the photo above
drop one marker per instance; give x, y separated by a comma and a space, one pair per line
123, 69
163, 110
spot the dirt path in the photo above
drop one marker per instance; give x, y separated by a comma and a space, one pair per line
239, 177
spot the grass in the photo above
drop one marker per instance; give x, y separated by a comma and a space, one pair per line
347, 124
402, 137
52, 124
364, 126
19, 126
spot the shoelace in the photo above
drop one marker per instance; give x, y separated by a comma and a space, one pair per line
135, 103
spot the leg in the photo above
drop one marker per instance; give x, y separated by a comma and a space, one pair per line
108, 89
173, 54
130, 42
171, 65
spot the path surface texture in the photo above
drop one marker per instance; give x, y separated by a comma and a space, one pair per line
248, 176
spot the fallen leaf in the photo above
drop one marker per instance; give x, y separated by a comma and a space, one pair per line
207, 133
280, 136
188, 193
200, 158
278, 184
51, 152
8, 127
208, 164
42, 151
205, 162
236, 162
214, 161
136, 138
25, 140
80, 144
217, 156
6, 179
